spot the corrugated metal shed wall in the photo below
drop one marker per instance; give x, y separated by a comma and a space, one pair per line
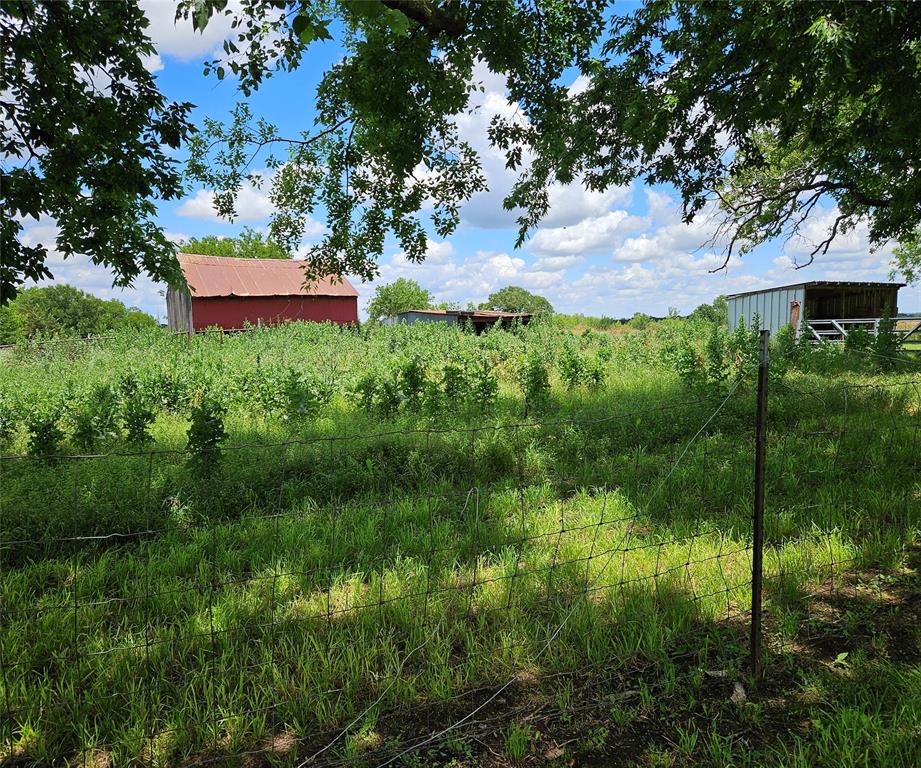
424, 317
773, 306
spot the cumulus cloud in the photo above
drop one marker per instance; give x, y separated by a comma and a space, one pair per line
591, 235
252, 204
569, 204
178, 39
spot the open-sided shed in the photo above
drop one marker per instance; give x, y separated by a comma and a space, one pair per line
824, 302
230, 293
479, 319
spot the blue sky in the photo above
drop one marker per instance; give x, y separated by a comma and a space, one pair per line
611, 253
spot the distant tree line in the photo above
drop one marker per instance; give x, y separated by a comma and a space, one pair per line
249, 244
404, 295
62, 310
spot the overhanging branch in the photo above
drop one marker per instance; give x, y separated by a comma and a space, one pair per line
433, 18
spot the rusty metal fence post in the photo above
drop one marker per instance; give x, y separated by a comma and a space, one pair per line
758, 516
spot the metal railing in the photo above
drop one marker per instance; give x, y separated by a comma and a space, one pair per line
837, 329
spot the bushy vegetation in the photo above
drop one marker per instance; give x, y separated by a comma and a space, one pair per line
274, 515
249, 244
62, 310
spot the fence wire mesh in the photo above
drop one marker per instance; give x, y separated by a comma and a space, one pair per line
319, 600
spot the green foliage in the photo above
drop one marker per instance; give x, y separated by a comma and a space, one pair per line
399, 296
484, 387
249, 244
639, 322
535, 382
205, 436
406, 69
87, 141
454, 382
515, 299
8, 419
137, 417
716, 354
303, 395
96, 419
464, 530
412, 381
45, 434
858, 340
906, 258
887, 345
744, 347
572, 366
64, 310
715, 312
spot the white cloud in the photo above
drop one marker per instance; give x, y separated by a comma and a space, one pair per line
152, 63
591, 235
569, 204
179, 39
252, 204
572, 203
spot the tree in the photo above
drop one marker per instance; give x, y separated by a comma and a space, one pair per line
759, 111
907, 258
65, 310
515, 299
399, 296
249, 244
717, 312
85, 140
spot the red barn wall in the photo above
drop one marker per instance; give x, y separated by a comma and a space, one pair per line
232, 312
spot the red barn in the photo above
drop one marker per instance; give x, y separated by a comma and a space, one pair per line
230, 293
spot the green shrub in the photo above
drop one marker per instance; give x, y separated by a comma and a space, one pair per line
571, 366
45, 435
484, 387
535, 382
205, 435
887, 346
137, 416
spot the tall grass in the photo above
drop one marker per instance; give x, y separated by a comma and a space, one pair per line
350, 558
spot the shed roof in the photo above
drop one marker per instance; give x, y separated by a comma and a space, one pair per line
210, 276
474, 314
820, 284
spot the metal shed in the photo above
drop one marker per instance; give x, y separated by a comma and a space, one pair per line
230, 293
836, 305
480, 319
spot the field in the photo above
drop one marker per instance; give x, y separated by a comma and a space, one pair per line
419, 546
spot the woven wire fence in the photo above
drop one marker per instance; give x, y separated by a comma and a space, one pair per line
261, 619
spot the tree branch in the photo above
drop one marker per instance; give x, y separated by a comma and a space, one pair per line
436, 20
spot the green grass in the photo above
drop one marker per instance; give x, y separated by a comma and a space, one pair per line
347, 566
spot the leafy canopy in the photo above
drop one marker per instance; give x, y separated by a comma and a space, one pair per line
759, 110
249, 244
515, 299
58, 310
715, 312
763, 111
85, 140
399, 296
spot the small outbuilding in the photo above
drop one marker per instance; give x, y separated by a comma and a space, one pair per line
231, 293
479, 319
831, 308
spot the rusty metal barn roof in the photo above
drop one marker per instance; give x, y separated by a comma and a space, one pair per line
209, 276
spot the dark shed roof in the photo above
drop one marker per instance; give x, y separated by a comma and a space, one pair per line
820, 284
